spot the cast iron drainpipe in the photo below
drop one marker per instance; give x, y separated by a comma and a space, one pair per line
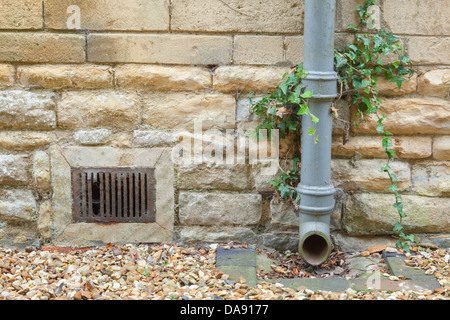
315, 188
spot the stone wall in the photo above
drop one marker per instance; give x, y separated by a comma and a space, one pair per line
128, 75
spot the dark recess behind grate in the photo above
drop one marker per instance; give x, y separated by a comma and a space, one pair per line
113, 195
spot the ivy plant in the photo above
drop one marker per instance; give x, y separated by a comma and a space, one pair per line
359, 67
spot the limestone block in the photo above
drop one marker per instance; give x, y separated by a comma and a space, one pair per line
366, 174
180, 110
160, 48
14, 169
24, 140
136, 15
6, 75
435, 83
420, 53
41, 170
417, 17
258, 50
247, 79
431, 178
42, 47
98, 109
21, 14
92, 137
441, 148
162, 78
279, 16
373, 213
27, 110
405, 147
17, 205
410, 116
219, 209
213, 177
65, 77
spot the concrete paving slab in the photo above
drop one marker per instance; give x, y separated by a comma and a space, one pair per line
236, 257
315, 284
237, 272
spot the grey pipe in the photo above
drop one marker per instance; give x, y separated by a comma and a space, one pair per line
315, 189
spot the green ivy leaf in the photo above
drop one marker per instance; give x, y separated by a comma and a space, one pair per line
307, 94
311, 131
314, 118
393, 187
398, 227
352, 27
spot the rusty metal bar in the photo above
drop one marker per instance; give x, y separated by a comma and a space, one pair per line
131, 194
83, 194
119, 196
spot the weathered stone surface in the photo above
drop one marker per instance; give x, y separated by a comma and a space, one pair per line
219, 209
346, 243
14, 169
213, 177
136, 15
280, 240
294, 49
17, 205
92, 137
346, 13
340, 125
42, 47
410, 116
265, 170
163, 78
420, 54
373, 213
294, 46
88, 234
405, 147
258, 50
244, 109
283, 16
41, 170
21, 14
6, 75
216, 234
65, 77
441, 148
24, 140
44, 223
435, 83
160, 48
153, 138
412, 147
92, 109
27, 110
367, 175
180, 110
431, 178
388, 88
417, 17
247, 79
283, 214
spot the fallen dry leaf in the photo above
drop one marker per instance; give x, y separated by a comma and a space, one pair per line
376, 249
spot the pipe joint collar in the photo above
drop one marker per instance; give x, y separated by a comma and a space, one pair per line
322, 84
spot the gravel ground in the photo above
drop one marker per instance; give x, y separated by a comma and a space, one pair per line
169, 271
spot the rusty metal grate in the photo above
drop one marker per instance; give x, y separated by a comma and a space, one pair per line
113, 195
